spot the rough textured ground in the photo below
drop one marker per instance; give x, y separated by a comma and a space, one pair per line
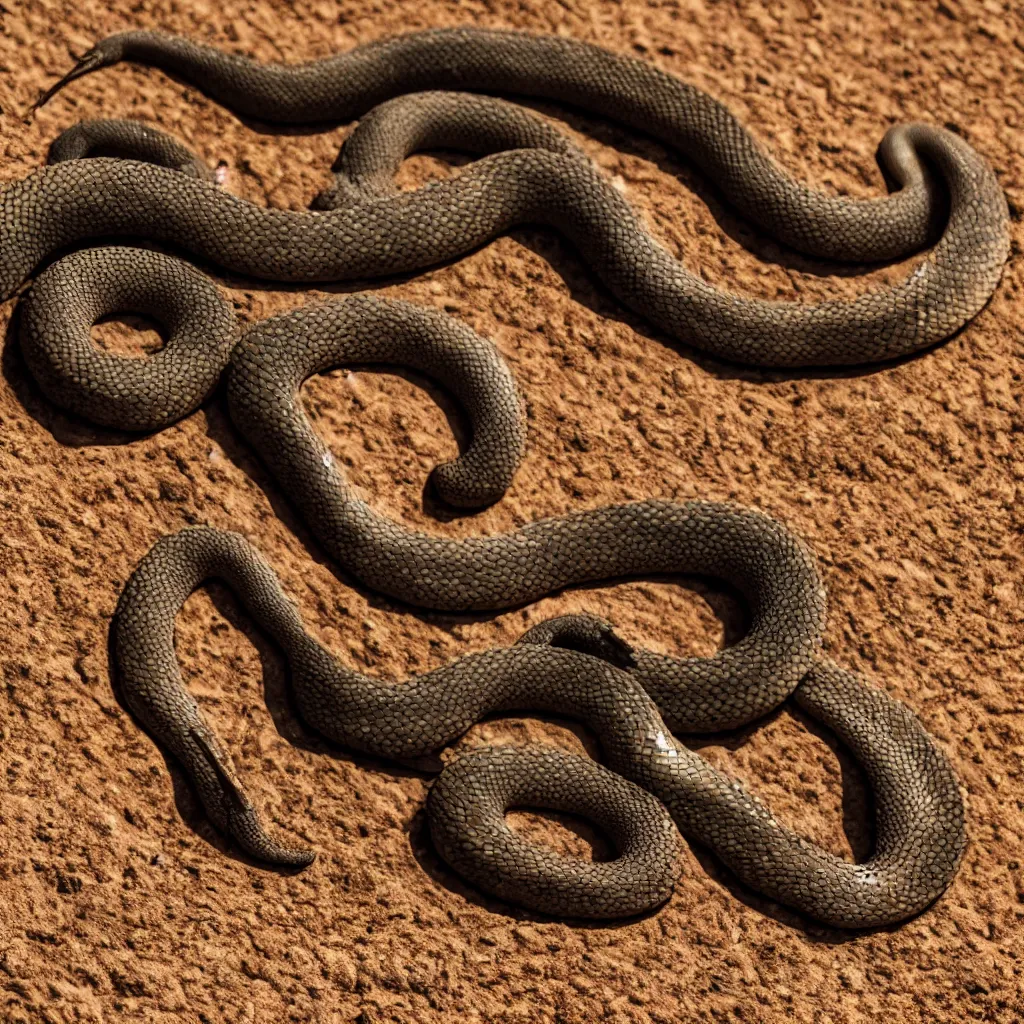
118, 902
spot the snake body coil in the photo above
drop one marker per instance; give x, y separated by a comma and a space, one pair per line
574, 666
774, 572
919, 811
919, 814
379, 235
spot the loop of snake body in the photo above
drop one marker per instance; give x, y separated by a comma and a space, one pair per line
632, 698
383, 234
919, 815
273, 357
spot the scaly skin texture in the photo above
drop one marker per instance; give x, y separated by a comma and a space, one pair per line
380, 235
129, 394
770, 567
368, 230
919, 813
201, 330
920, 817
130, 139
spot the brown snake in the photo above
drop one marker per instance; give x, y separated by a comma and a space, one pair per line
377, 235
364, 228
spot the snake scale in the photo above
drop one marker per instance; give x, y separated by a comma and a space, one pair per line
575, 665
80, 199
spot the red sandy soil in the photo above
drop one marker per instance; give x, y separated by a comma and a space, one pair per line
119, 902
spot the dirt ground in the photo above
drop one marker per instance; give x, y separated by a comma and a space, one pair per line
118, 901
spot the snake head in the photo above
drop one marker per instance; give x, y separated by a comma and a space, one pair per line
584, 633
106, 52
340, 194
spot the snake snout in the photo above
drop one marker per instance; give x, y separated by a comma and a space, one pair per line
237, 814
587, 634
247, 830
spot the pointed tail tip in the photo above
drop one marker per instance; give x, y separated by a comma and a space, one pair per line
301, 857
271, 852
247, 829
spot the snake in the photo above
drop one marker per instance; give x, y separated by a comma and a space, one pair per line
634, 699
375, 235
271, 359
132, 140
574, 666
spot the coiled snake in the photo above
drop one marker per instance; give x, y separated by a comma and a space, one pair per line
576, 665
632, 703
918, 808
373, 235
